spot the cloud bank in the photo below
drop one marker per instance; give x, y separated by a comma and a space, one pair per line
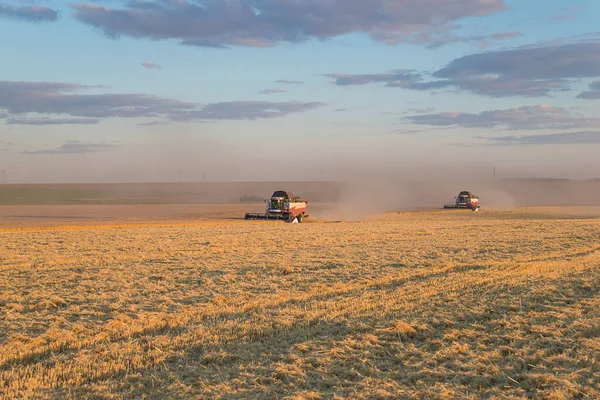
593, 93
76, 147
286, 82
591, 137
522, 118
266, 23
31, 13
525, 72
52, 101
272, 91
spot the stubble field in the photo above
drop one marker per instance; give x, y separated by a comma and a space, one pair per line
431, 304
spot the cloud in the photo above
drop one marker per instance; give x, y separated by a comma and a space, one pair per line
407, 131
264, 23
437, 41
151, 65
420, 110
153, 123
396, 78
526, 117
526, 72
593, 93
286, 82
271, 91
583, 137
547, 62
31, 13
76, 147
248, 110
340, 110
52, 99
52, 121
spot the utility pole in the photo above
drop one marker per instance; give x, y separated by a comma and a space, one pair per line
204, 176
494, 172
3, 177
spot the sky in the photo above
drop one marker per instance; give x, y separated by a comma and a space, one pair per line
236, 90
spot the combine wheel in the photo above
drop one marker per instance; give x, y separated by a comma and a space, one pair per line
475, 208
299, 217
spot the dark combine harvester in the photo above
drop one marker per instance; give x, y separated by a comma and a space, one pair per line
466, 200
282, 205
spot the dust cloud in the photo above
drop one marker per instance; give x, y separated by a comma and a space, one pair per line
362, 199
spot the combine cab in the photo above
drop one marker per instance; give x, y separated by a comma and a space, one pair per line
282, 205
465, 200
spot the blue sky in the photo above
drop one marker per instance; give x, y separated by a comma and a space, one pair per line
106, 91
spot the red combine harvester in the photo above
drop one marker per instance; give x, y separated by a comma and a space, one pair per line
282, 205
466, 200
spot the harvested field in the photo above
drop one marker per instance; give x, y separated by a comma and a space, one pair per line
432, 304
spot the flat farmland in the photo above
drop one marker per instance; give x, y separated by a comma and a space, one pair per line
191, 302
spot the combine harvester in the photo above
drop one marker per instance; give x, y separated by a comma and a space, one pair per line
465, 200
283, 205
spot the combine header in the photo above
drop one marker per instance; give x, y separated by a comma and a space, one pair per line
465, 200
282, 205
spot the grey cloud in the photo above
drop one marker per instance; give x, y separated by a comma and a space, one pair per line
527, 72
153, 123
499, 86
76, 147
420, 110
63, 98
52, 121
458, 144
593, 93
583, 137
397, 78
18, 99
434, 42
151, 65
492, 85
526, 117
248, 110
407, 131
271, 91
286, 82
572, 60
32, 13
263, 23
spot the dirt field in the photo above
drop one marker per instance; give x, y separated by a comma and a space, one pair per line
188, 302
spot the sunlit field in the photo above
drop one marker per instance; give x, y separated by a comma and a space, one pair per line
433, 304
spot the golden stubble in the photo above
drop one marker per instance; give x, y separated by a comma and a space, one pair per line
417, 305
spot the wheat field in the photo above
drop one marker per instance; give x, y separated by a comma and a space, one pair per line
432, 305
